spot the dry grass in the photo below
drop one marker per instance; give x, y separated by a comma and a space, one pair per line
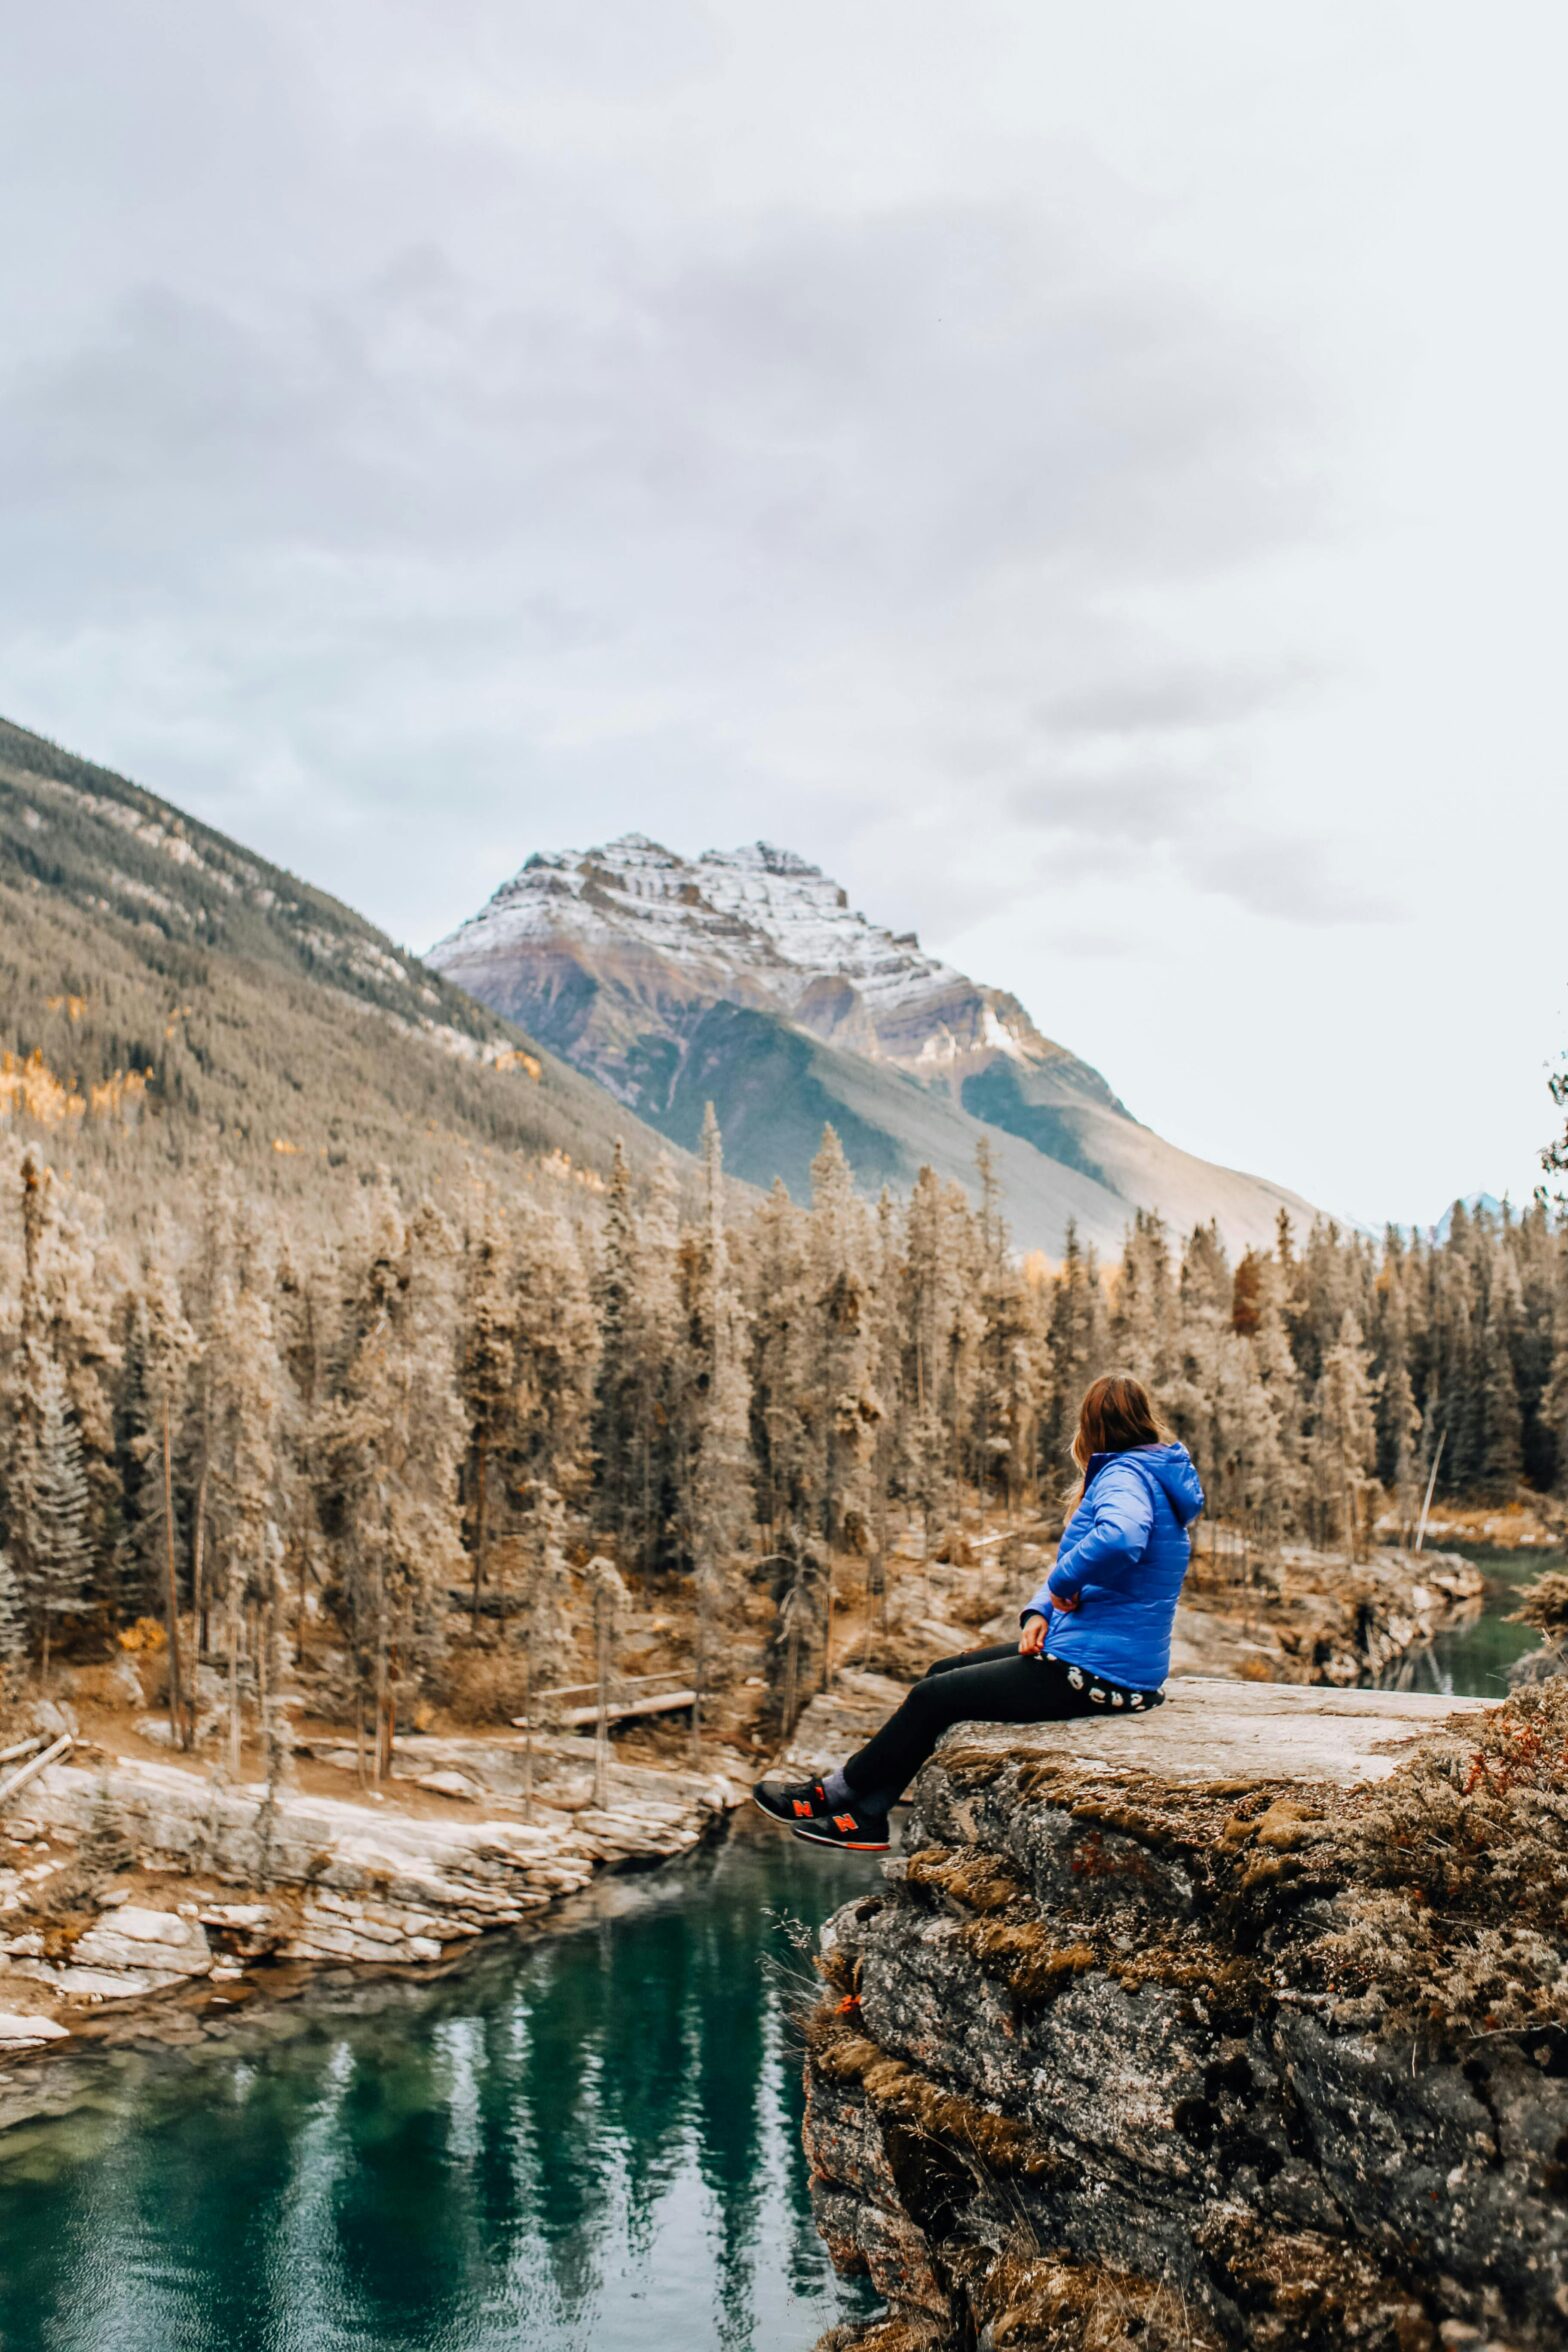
477, 1688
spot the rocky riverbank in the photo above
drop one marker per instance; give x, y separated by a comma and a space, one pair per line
1287, 1613
1297, 1614
124, 1880
1245, 2024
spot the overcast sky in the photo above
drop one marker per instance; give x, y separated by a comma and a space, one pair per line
1092, 478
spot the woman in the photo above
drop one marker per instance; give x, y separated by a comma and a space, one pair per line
1096, 1636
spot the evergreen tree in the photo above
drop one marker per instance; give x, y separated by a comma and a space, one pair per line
395, 1443
247, 1493
843, 1375
1499, 1424
616, 1410
780, 1347
1078, 1336
545, 1615
1344, 1439
13, 1633
719, 1511
1143, 1310
166, 1349
489, 1375
52, 1553
929, 1310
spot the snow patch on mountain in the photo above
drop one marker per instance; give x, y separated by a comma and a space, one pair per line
761, 915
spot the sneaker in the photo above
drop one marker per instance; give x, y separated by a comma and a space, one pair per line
796, 1801
846, 1827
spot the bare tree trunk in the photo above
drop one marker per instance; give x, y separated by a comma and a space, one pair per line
481, 1529
179, 1729
792, 1680
601, 1750
528, 1723
381, 1690
234, 1674
699, 1674
199, 1563
389, 1725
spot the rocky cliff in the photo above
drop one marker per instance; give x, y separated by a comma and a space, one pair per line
1242, 2025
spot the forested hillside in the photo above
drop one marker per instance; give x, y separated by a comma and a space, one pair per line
166, 992
432, 1433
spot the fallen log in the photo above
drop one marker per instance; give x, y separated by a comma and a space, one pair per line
31, 1770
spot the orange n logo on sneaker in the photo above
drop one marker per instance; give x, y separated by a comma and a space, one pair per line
802, 1807
844, 1821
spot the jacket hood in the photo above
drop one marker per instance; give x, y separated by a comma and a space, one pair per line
1170, 1467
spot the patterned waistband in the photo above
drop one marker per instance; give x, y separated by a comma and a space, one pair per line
1108, 1694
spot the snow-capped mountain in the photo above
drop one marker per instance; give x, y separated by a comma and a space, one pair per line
746, 978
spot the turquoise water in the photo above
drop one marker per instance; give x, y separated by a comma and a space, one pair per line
587, 2140
1471, 1660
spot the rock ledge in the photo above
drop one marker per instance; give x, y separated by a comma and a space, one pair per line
1243, 2024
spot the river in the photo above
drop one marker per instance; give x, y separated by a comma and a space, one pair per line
589, 2138
586, 2139
1471, 1658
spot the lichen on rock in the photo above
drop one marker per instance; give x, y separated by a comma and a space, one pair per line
1212, 2057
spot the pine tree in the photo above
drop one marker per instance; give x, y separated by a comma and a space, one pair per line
719, 1511
557, 1357
52, 1551
204, 1302
842, 1377
489, 1376
545, 1616
1499, 1422
890, 1383
166, 1349
800, 1599
608, 1589
247, 1494
930, 1304
781, 1341
394, 1445
1344, 1439
1143, 1313
616, 1401
13, 1633
1078, 1330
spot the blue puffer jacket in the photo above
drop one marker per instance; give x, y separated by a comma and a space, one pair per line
1124, 1551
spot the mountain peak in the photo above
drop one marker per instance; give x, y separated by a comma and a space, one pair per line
767, 857
745, 977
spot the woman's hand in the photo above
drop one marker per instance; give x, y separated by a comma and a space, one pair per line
1032, 1640
1068, 1606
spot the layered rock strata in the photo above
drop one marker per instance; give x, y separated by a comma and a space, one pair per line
1245, 2024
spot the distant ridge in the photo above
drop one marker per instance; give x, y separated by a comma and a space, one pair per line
161, 986
745, 977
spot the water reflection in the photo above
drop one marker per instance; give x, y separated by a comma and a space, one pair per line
1471, 1656
589, 2140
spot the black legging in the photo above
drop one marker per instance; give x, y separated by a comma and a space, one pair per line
995, 1685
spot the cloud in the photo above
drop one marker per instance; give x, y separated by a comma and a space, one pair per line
563, 433
1196, 828
1171, 702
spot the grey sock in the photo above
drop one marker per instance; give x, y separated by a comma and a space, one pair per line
837, 1789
